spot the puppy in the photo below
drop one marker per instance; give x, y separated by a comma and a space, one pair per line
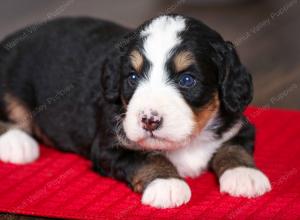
148, 106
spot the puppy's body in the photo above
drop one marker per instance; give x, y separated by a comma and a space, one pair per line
147, 107
55, 73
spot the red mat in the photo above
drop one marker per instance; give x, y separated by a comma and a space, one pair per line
62, 185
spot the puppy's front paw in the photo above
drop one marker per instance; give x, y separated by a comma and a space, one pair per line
245, 182
166, 193
18, 147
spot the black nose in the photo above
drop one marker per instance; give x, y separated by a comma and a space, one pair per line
152, 121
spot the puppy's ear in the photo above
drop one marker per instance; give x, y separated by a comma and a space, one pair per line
111, 78
235, 83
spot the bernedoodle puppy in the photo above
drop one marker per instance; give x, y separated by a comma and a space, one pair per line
148, 106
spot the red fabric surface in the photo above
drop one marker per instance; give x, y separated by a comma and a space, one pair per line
62, 184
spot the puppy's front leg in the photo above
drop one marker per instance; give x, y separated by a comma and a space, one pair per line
237, 173
151, 174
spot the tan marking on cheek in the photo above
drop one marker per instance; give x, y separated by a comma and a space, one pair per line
136, 60
183, 60
203, 115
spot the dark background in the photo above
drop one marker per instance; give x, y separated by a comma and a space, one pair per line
266, 33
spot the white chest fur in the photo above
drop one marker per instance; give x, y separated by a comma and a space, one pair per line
193, 159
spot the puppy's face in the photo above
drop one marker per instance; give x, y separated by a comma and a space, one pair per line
169, 90
169, 83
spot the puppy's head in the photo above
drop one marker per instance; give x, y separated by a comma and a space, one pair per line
177, 75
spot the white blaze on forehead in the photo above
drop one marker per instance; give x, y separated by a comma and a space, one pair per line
161, 37
155, 94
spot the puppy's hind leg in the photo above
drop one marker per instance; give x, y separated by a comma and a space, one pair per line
16, 143
16, 146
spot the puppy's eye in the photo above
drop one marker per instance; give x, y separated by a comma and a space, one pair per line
187, 81
133, 78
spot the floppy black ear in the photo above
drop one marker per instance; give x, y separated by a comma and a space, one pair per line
111, 77
235, 83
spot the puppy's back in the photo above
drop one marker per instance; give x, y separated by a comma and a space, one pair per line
54, 68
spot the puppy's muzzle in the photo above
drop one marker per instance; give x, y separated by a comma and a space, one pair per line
150, 121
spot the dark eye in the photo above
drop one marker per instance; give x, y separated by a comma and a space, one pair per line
133, 79
186, 81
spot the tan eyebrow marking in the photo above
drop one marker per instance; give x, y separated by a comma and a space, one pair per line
137, 60
183, 60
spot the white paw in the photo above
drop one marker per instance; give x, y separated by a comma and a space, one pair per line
245, 182
18, 147
166, 193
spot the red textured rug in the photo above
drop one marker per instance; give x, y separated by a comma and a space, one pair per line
62, 185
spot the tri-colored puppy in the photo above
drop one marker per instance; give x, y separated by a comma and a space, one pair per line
148, 106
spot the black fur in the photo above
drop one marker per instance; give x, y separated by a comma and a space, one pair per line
90, 58
234, 80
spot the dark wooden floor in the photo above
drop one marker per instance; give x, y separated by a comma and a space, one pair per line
266, 34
